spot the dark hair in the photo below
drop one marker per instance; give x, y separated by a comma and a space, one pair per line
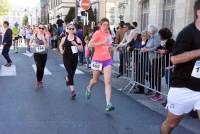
128, 25
165, 33
121, 24
196, 7
103, 20
134, 24
6, 22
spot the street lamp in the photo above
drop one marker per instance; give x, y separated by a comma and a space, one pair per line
121, 8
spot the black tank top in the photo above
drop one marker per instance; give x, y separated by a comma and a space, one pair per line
67, 47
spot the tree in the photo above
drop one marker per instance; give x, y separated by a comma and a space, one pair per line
25, 20
70, 16
91, 15
4, 7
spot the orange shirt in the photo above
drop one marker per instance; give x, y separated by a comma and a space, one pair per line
102, 53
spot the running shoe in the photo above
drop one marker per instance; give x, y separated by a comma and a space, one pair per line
73, 95
16, 50
8, 64
39, 84
109, 107
88, 94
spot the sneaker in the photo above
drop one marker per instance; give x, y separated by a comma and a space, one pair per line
8, 64
156, 98
73, 95
16, 50
88, 94
109, 108
39, 84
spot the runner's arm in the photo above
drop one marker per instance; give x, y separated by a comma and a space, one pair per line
185, 57
61, 45
79, 45
94, 43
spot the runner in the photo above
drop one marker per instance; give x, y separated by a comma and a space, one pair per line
40, 44
28, 34
7, 42
15, 31
69, 46
102, 61
184, 94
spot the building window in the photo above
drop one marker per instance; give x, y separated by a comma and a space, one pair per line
168, 14
145, 14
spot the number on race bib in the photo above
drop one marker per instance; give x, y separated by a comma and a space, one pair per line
196, 69
40, 48
96, 66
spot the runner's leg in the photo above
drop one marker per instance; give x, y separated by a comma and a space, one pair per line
170, 123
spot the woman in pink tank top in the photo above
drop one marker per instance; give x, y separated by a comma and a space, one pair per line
102, 61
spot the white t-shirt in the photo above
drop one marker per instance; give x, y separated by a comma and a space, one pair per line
28, 34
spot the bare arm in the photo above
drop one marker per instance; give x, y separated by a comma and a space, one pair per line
185, 57
93, 43
79, 45
61, 45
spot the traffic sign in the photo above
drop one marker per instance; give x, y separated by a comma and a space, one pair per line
85, 4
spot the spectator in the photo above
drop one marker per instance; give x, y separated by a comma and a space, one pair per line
165, 49
150, 48
54, 37
80, 34
7, 42
127, 38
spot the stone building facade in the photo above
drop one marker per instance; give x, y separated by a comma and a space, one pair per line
59, 7
174, 14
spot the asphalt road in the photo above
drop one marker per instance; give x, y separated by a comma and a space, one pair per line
27, 110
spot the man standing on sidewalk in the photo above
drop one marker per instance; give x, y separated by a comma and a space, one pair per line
7, 42
184, 94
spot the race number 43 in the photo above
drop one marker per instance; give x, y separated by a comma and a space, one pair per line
196, 69
96, 66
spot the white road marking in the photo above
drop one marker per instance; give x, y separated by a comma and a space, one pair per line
46, 71
8, 71
28, 54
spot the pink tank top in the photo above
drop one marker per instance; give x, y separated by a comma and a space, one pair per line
102, 53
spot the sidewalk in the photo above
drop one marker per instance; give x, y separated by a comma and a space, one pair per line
119, 83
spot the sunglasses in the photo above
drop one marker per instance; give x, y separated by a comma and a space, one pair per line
41, 28
70, 28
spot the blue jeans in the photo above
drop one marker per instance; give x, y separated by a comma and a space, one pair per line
59, 30
81, 57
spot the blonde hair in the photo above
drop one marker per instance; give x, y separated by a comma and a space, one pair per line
145, 34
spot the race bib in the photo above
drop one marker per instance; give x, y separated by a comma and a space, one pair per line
196, 70
74, 49
40, 48
96, 66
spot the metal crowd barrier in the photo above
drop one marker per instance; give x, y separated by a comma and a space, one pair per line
150, 70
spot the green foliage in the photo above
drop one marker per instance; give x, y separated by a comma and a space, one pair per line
91, 15
70, 16
25, 20
4, 7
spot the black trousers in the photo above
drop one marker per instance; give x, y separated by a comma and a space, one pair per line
5, 53
121, 61
40, 61
70, 63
